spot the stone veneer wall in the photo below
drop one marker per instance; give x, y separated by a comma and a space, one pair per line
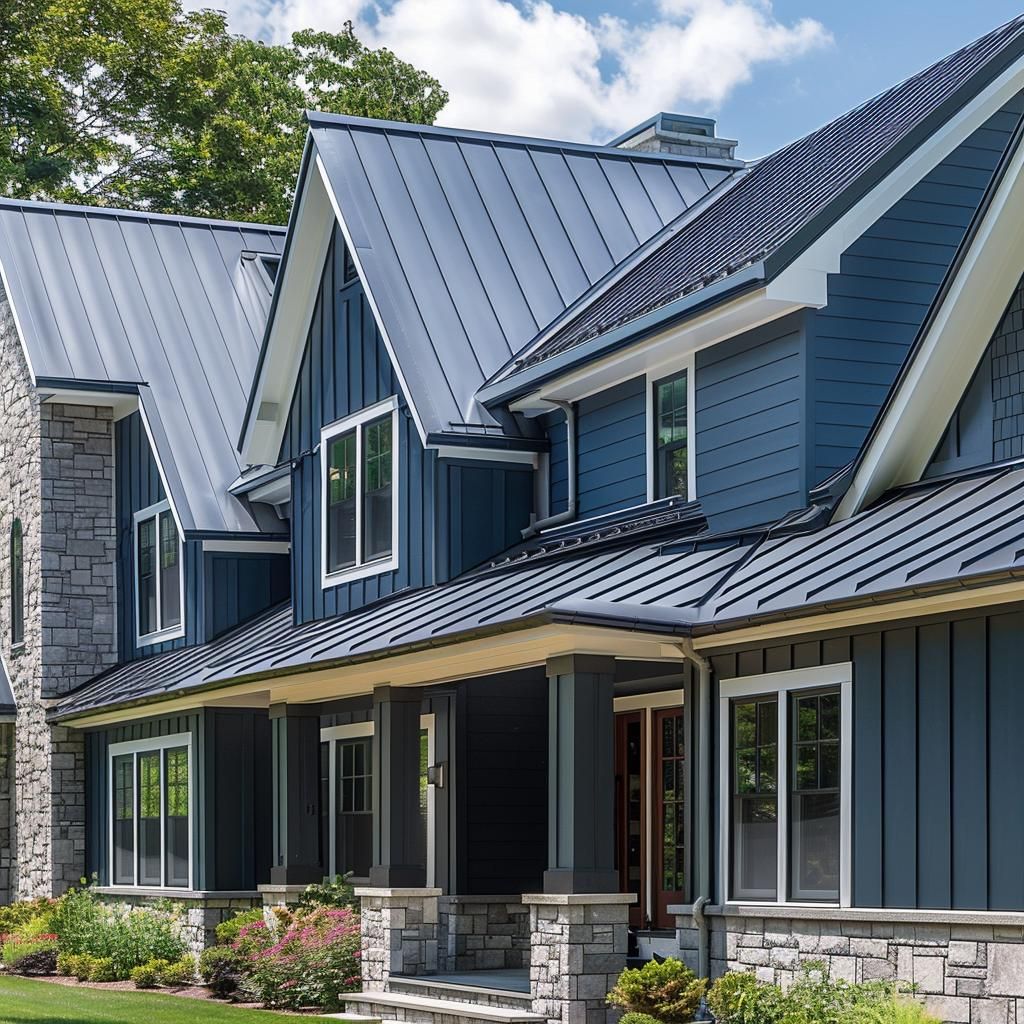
6, 810
57, 477
967, 971
483, 933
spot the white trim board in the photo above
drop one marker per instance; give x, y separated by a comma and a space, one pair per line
781, 684
159, 635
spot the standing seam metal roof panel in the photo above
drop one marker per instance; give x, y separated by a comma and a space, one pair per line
166, 305
469, 242
782, 194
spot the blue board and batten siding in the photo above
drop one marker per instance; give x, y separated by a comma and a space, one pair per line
888, 279
937, 818
346, 368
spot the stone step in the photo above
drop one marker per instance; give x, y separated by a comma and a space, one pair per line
481, 995
418, 1009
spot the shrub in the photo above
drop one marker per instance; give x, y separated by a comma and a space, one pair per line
227, 931
66, 964
30, 956
638, 1018
80, 965
148, 975
219, 967
668, 991
178, 974
310, 960
739, 998
101, 968
335, 892
14, 915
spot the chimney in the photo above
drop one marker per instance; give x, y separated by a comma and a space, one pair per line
682, 134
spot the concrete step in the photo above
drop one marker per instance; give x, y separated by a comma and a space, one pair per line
420, 1009
463, 992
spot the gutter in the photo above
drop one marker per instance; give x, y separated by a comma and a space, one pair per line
536, 525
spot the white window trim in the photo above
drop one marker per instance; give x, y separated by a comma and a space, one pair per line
652, 376
334, 733
648, 703
158, 636
781, 684
136, 747
361, 570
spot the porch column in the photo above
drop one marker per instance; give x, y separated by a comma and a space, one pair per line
399, 849
295, 758
581, 775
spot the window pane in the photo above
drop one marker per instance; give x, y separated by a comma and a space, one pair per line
670, 441
170, 577
149, 818
814, 801
377, 489
755, 806
124, 819
341, 502
177, 801
146, 576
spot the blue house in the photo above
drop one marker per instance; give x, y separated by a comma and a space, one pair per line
596, 551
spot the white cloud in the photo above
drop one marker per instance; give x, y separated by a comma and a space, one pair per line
535, 69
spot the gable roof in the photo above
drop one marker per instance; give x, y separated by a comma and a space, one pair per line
467, 243
785, 201
171, 308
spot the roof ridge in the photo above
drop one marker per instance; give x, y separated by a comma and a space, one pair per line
318, 119
12, 202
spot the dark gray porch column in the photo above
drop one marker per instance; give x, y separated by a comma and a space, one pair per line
399, 851
581, 767
295, 752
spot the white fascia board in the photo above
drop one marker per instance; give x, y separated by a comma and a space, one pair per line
742, 314
286, 340
123, 404
372, 301
948, 354
823, 255
168, 491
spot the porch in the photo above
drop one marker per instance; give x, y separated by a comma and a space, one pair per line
514, 838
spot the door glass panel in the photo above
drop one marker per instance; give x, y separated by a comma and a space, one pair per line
672, 800
354, 821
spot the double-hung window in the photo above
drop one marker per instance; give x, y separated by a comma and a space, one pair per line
670, 414
158, 575
786, 771
359, 467
151, 800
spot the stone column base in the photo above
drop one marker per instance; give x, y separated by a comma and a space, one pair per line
399, 934
578, 946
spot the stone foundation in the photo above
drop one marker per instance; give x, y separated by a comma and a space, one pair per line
578, 949
199, 914
482, 933
968, 967
399, 934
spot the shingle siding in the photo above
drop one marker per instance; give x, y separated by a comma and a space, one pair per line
888, 279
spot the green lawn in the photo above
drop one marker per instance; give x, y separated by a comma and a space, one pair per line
39, 1002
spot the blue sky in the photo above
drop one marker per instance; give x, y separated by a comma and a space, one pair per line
588, 69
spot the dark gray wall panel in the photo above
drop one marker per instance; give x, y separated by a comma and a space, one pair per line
241, 585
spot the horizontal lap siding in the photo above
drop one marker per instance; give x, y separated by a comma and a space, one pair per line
748, 412
558, 461
888, 279
611, 462
346, 368
938, 713
505, 779
137, 486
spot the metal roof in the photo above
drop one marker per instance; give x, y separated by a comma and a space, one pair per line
470, 243
787, 199
937, 536
173, 307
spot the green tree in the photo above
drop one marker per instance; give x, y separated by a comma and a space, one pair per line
137, 103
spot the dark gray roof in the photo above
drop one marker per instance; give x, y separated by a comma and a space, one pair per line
471, 242
7, 705
787, 199
174, 305
933, 536
938, 536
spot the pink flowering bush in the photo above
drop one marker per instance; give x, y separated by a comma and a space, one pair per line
309, 960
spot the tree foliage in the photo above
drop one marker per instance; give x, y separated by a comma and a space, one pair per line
138, 103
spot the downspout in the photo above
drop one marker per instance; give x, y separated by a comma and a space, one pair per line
537, 525
702, 818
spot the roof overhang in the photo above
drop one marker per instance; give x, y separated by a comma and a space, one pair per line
952, 341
